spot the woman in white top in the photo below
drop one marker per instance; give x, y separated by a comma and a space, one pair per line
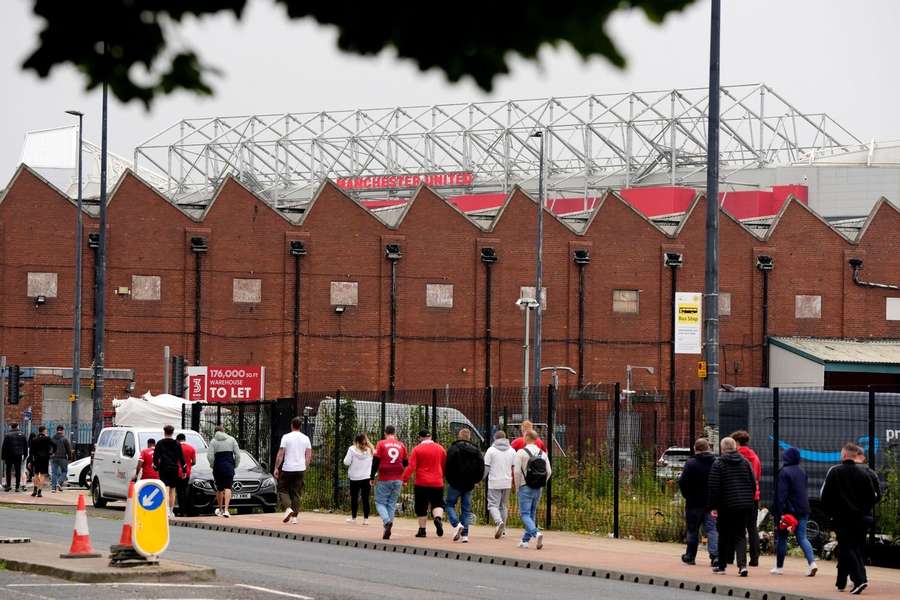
359, 462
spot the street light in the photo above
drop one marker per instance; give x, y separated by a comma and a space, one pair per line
627, 392
539, 273
526, 305
76, 325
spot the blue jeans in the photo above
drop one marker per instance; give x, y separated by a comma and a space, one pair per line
59, 470
781, 536
694, 519
386, 495
453, 495
529, 498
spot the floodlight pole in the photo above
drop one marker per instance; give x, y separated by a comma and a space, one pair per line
711, 291
100, 279
76, 325
538, 280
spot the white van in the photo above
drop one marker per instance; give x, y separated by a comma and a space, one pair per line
407, 418
116, 456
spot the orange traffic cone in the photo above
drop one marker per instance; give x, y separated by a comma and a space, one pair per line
125, 538
81, 538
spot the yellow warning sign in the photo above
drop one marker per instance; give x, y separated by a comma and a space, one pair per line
150, 525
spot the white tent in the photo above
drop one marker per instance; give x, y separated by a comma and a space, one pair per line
150, 410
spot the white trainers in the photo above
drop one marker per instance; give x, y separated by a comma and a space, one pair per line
464, 539
218, 512
503, 535
365, 521
522, 545
351, 520
287, 515
499, 531
777, 571
457, 532
540, 539
293, 520
812, 569
226, 514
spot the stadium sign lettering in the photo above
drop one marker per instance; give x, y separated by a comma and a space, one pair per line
387, 182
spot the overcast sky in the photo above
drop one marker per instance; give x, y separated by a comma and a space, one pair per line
828, 56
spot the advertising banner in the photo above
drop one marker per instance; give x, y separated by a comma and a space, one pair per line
688, 322
226, 384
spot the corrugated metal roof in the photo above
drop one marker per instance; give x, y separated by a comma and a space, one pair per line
827, 350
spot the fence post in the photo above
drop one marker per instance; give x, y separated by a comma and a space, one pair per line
218, 415
434, 429
776, 450
196, 411
183, 420
551, 440
336, 473
241, 441
692, 421
655, 434
871, 449
506, 421
258, 418
488, 411
615, 461
383, 412
580, 437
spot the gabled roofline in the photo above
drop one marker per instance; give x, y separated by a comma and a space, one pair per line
688, 213
743, 226
882, 201
616, 196
455, 209
791, 200
230, 178
131, 173
23, 167
547, 211
328, 183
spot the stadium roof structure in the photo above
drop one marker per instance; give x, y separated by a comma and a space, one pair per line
592, 143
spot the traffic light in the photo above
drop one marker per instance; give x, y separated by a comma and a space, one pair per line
15, 384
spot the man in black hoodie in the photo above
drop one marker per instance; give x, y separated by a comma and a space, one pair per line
15, 447
694, 486
849, 496
465, 468
732, 487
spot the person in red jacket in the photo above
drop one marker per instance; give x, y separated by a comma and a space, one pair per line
427, 463
743, 440
519, 443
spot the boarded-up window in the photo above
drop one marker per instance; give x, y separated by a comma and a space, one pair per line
42, 284
439, 295
807, 307
625, 301
724, 304
892, 309
344, 293
145, 287
528, 292
246, 291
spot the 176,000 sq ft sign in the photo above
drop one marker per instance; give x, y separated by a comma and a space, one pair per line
226, 384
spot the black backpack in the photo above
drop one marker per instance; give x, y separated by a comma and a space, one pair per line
535, 470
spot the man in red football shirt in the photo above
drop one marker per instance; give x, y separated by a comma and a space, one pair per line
743, 440
519, 443
427, 462
145, 468
190, 459
388, 463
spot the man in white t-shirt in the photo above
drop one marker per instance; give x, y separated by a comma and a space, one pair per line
294, 454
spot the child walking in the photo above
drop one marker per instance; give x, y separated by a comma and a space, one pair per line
359, 462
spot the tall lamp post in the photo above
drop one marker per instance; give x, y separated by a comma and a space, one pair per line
100, 285
539, 273
76, 325
526, 305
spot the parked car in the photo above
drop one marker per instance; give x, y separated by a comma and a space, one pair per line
253, 487
671, 463
116, 455
79, 474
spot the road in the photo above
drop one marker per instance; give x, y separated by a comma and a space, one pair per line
272, 569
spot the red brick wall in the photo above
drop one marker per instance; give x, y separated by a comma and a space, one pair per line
437, 346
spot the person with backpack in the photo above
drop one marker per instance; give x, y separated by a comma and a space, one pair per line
792, 500
499, 463
358, 461
694, 486
743, 441
731, 489
465, 468
427, 462
15, 446
532, 473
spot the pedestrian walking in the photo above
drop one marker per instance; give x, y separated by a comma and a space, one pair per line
731, 490
465, 468
743, 440
388, 463
519, 442
294, 456
168, 460
531, 475
792, 500
694, 486
499, 463
42, 448
849, 497
190, 459
427, 462
29, 460
15, 446
224, 456
359, 471
145, 468
59, 461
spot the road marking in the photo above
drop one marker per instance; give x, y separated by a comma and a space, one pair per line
271, 591
120, 584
